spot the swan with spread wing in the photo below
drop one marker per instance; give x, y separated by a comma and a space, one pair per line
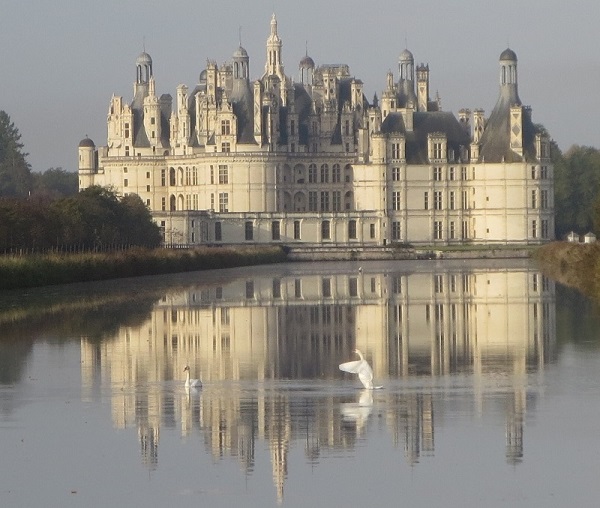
362, 369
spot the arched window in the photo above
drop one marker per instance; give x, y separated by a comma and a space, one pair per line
172, 177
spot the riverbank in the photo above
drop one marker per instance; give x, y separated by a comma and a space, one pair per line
50, 269
576, 265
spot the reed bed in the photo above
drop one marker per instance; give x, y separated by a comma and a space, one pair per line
49, 269
576, 265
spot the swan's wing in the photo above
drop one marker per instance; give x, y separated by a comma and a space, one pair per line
352, 367
365, 374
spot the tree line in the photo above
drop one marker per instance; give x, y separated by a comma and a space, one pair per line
43, 211
94, 219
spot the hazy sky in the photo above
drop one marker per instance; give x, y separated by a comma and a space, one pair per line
62, 60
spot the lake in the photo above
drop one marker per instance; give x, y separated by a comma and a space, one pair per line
489, 372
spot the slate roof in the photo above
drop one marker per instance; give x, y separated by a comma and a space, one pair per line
495, 141
425, 123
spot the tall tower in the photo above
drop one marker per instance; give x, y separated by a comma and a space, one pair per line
406, 84
273, 66
423, 87
143, 66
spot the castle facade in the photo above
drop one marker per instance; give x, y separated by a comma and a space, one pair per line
311, 162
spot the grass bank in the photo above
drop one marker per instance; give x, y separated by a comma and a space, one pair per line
575, 265
50, 269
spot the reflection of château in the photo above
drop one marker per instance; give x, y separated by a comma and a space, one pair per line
299, 324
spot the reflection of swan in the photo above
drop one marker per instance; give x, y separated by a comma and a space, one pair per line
360, 411
194, 383
362, 368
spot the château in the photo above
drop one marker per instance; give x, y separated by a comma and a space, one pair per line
309, 161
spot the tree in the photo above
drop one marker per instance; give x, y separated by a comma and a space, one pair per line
55, 183
15, 173
577, 187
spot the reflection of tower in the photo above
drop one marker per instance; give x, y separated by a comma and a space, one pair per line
149, 437
514, 428
279, 433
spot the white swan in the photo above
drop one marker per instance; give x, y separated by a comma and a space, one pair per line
363, 369
193, 383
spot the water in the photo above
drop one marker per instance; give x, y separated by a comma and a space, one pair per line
490, 396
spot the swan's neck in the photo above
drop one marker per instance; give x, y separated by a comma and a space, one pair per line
359, 354
187, 377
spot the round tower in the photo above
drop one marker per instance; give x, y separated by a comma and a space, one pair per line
241, 64
508, 67
87, 162
307, 69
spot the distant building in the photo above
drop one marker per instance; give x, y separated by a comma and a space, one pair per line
311, 162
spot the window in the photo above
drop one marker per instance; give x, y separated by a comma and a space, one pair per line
226, 147
395, 150
437, 174
337, 201
325, 173
437, 230
249, 289
396, 285
312, 173
325, 230
163, 177
336, 173
126, 130
296, 230
533, 172
249, 230
312, 201
372, 231
275, 230
439, 284
125, 182
347, 128
452, 230
465, 230
223, 174
353, 286
163, 204
147, 188
212, 175
396, 230
223, 202
437, 150
127, 151
463, 173
298, 288
326, 286
153, 121
437, 200
395, 174
544, 228
324, 201
426, 200
534, 198
544, 172
225, 127
218, 232
452, 201
544, 199
276, 288
396, 200
292, 128
465, 200
451, 174
534, 229
352, 229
